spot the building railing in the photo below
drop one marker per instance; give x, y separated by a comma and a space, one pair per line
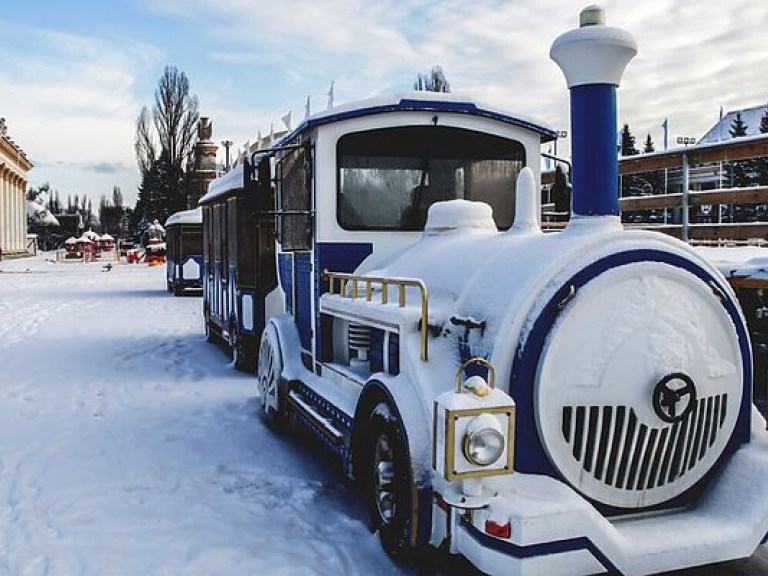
349, 286
693, 199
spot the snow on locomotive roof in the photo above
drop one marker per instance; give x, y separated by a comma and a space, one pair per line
421, 101
194, 216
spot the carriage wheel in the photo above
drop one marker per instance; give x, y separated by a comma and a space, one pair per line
268, 374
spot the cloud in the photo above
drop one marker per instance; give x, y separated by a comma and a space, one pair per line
107, 167
72, 99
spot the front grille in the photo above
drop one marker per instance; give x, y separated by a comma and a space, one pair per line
615, 448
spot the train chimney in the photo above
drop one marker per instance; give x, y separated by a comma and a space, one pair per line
592, 58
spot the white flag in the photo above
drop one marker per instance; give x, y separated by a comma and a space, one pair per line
306, 109
271, 134
330, 97
259, 141
287, 120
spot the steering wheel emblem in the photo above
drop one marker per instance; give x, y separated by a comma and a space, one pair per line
674, 397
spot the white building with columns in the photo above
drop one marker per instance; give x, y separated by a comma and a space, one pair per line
14, 166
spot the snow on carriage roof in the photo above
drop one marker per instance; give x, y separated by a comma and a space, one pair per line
70, 240
421, 101
106, 236
194, 216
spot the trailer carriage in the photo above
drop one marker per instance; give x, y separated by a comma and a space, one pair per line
239, 272
567, 403
184, 248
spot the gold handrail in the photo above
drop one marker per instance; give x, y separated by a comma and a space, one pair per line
370, 281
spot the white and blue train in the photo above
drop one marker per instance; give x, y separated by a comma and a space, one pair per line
567, 403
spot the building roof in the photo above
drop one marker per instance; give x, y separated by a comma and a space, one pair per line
721, 130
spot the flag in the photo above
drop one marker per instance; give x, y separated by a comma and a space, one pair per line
721, 112
330, 97
259, 141
287, 120
665, 125
271, 134
307, 109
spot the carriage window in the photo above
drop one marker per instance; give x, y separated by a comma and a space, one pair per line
388, 178
191, 241
295, 223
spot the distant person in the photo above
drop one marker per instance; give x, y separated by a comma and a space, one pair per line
561, 194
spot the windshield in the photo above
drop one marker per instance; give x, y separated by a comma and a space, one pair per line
388, 178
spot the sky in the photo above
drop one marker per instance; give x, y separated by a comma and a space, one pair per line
74, 75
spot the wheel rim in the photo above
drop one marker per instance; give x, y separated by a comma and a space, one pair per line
267, 373
383, 479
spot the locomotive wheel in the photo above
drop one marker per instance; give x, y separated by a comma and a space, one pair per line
270, 368
388, 481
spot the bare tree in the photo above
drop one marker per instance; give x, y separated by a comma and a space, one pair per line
167, 132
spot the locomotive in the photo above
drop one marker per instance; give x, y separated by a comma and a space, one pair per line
568, 403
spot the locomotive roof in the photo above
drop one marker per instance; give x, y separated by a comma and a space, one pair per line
194, 216
420, 101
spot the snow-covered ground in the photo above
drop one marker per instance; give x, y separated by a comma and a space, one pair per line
130, 446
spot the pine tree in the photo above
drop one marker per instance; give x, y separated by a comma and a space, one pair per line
761, 164
648, 146
738, 126
628, 142
740, 173
629, 184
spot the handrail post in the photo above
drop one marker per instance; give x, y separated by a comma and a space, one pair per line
686, 200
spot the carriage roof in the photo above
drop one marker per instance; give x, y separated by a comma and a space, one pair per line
194, 216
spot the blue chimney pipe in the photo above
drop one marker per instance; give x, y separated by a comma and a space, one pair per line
592, 58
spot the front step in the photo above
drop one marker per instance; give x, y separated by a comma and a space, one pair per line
326, 421
321, 423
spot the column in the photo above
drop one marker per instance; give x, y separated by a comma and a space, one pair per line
16, 231
23, 215
4, 221
13, 214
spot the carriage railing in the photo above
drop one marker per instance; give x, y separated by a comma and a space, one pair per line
349, 286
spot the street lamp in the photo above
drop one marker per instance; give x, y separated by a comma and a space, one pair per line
226, 144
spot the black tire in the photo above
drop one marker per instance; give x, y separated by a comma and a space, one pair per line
387, 475
268, 374
177, 290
